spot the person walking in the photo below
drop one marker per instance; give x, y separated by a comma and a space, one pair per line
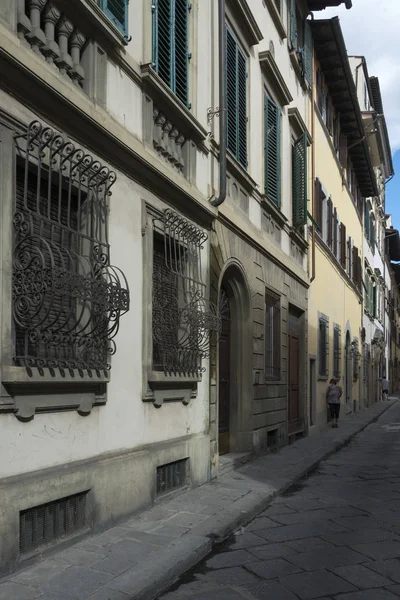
385, 389
333, 395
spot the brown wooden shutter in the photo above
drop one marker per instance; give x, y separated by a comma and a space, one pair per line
359, 272
336, 132
319, 90
329, 222
335, 232
318, 204
329, 114
343, 150
343, 245
355, 264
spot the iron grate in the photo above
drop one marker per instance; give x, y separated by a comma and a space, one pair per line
46, 523
171, 476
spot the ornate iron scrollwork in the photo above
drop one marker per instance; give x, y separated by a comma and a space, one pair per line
183, 318
67, 298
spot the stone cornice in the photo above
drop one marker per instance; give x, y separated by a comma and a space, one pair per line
274, 76
245, 18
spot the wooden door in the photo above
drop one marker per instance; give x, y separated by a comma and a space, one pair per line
224, 383
294, 384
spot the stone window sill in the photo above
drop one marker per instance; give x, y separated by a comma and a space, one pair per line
170, 388
298, 238
177, 112
93, 21
277, 18
236, 169
31, 392
273, 210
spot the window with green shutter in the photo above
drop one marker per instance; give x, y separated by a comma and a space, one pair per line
117, 12
272, 150
236, 105
170, 44
299, 181
300, 40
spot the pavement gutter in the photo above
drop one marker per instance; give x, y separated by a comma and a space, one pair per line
146, 583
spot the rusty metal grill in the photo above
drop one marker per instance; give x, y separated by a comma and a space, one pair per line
171, 476
49, 522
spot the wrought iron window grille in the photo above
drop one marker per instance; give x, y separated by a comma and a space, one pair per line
183, 318
67, 297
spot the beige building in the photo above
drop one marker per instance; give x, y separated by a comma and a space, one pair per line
343, 177
150, 322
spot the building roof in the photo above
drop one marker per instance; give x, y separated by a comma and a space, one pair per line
393, 240
331, 52
378, 106
321, 4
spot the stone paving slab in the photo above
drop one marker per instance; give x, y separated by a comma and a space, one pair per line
143, 556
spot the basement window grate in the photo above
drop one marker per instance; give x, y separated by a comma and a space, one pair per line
49, 522
171, 476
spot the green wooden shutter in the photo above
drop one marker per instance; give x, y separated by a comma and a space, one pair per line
180, 26
117, 12
272, 160
231, 105
299, 181
308, 52
242, 109
292, 25
236, 74
170, 44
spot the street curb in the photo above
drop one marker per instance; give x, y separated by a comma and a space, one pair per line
187, 554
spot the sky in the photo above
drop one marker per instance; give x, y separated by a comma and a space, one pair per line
375, 34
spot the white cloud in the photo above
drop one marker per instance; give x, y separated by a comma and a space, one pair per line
372, 30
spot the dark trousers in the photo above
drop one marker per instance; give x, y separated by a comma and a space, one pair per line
334, 410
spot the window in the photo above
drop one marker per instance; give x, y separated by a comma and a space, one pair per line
329, 223
272, 337
356, 359
236, 75
299, 181
336, 351
369, 225
356, 260
170, 44
67, 298
117, 12
343, 248
323, 346
319, 206
300, 40
272, 150
182, 317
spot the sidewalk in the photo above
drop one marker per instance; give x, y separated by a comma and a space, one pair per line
143, 556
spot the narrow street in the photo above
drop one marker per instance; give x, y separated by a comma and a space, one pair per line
335, 535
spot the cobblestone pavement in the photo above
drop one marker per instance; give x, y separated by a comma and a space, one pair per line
335, 535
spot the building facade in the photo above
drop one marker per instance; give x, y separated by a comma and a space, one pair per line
377, 322
149, 324
343, 176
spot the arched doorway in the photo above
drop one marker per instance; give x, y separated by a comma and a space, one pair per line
348, 376
235, 364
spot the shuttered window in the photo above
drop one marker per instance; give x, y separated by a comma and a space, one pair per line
318, 199
343, 153
272, 150
117, 12
299, 181
272, 337
323, 346
329, 223
336, 351
335, 233
236, 75
300, 40
343, 245
170, 44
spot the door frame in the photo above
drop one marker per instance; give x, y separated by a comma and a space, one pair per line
234, 281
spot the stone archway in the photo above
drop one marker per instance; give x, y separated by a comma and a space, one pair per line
234, 407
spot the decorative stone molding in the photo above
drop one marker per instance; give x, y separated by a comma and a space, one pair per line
276, 17
243, 15
296, 121
274, 77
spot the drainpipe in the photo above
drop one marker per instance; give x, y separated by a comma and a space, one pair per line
313, 172
222, 104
